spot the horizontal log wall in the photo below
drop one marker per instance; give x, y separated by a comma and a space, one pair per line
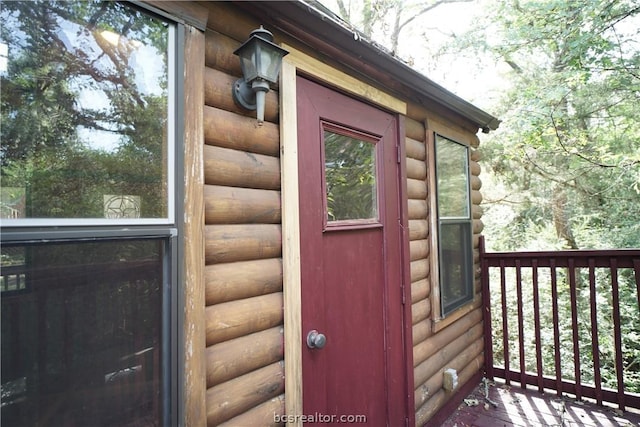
243, 244
459, 345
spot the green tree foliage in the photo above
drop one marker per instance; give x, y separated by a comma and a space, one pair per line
568, 150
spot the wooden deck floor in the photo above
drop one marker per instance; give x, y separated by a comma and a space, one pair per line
518, 407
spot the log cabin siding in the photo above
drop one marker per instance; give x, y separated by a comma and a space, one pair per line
243, 242
459, 345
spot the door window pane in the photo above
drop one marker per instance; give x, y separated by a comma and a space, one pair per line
452, 169
82, 334
350, 178
84, 95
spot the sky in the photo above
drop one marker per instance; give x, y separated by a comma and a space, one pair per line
4, 51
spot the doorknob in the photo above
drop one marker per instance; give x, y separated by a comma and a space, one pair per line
315, 339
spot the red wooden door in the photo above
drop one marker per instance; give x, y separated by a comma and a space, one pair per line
351, 259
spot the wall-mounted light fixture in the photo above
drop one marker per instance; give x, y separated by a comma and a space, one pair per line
260, 60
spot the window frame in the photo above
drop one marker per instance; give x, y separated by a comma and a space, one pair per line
167, 229
443, 316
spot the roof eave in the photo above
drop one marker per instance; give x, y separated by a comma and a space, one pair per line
331, 29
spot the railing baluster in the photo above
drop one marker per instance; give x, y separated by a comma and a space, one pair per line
574, 262
486, 299
636, 272
523, 382
574, 324
536, 320
595, 348
505, 328
615, 296
556, 326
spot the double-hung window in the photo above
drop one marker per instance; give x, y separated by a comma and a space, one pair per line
454, 238
87, 208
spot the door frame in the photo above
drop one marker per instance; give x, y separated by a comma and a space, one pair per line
295, 62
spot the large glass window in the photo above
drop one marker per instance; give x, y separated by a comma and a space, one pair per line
454, 224
88, 240
85, 101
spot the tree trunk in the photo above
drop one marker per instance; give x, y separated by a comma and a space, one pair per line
561, 218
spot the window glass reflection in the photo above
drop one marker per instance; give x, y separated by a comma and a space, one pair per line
84, 111
453, 187
455, 265
350, 178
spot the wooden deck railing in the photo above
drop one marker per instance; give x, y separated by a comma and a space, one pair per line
567, 321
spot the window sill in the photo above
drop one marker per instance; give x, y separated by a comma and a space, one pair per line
439, 324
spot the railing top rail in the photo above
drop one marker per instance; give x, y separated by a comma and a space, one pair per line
587, 253
579, 258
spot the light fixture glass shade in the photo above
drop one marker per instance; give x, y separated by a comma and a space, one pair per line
260, 57
260, 60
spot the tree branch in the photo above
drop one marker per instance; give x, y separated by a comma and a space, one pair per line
581, 156
343, 11
427, 8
